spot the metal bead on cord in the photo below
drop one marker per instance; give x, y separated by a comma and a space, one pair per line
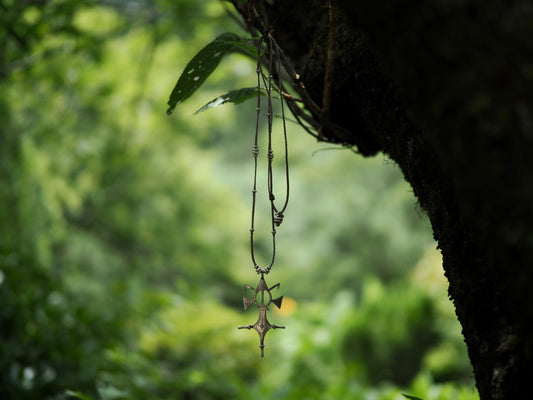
277, 215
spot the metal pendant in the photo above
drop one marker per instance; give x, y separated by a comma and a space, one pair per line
262, 326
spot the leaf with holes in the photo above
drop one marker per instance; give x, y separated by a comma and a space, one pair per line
203, 64
234, 96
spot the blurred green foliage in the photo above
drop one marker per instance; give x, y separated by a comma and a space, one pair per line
124, 233
383, 330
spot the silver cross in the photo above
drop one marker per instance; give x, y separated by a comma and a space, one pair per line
262, 326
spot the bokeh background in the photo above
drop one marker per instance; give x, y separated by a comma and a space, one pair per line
124, 233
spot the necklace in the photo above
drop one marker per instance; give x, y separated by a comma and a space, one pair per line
262, 293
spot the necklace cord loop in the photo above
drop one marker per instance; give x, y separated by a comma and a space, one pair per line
277, 215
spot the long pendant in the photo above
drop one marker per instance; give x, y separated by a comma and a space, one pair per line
262, 294
262, 326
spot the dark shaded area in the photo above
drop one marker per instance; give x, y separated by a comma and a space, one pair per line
445, 90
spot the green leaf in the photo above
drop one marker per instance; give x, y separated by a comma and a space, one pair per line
77, 394
203, 64
411, 397
234, 96
247, 48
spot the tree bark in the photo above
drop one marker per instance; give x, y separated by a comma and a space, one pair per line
444, 89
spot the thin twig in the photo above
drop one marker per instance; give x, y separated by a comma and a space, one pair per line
298, 113
298, 84
234, 17
289, 97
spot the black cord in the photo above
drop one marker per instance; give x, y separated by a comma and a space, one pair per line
276, 214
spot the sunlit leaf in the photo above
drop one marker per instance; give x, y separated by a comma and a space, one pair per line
203, 64
411, 397
234, 96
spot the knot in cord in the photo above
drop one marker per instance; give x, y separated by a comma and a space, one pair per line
278, 219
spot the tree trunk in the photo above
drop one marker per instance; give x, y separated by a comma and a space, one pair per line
444, 89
